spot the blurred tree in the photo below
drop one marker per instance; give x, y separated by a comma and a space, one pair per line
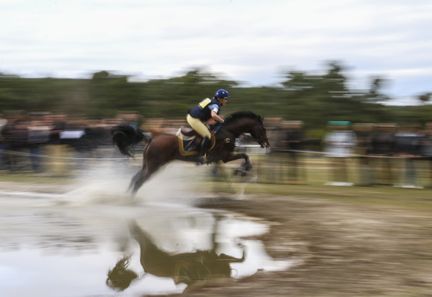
100, 75
311, 97
424, 98
375, 93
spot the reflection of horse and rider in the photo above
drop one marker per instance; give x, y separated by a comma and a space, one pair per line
164, 148
189, 268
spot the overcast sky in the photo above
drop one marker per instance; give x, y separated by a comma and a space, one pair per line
246, 40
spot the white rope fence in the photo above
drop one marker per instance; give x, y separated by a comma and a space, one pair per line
139, 156
350, 155
24, 154
326, 154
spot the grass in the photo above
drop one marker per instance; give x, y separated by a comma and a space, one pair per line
271, 170
29, 177
316, 174
383, 196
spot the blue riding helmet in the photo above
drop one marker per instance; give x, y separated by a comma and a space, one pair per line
221, 94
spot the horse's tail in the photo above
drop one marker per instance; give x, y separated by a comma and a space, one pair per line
125, 136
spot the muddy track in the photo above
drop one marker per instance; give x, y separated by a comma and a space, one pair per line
345, 250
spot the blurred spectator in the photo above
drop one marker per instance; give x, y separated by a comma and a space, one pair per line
383, 150
15, 134
98, 138
58, 123
154, 125
427, 151
72, 130
408, 141
132, 119
275, 134
3, 122
274, 127
363, 132
172, 126
339, 142
293, 144
38, 135
57, 164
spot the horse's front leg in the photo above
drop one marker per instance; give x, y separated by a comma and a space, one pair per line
245, 167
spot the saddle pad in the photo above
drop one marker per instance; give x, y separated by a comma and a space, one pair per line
187, 145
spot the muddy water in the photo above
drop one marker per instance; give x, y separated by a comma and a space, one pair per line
57, 249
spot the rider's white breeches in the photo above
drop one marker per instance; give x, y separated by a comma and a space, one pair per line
198, 126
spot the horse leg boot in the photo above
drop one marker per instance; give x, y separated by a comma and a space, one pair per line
246, 165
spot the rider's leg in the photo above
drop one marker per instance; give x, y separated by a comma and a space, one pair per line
198, 126
202, 130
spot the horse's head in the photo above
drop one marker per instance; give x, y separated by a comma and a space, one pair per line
259, 133
248, 122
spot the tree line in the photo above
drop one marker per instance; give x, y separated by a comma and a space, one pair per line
312, 98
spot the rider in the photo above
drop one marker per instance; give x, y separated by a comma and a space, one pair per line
206, 110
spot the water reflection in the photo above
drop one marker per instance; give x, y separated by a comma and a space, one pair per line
112, 250
189, 268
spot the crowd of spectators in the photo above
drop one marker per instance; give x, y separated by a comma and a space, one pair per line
33, 142
380, 153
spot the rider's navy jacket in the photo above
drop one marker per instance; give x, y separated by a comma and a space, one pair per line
202, 111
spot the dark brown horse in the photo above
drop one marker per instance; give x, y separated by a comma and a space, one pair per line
164, 148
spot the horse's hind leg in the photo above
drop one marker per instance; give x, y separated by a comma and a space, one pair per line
141, 177
137, 181
136, 177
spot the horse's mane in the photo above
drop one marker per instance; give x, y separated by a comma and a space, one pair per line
242, 114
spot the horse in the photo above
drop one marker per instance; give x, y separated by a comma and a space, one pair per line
164, 148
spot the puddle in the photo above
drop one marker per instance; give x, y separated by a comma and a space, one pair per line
112, 250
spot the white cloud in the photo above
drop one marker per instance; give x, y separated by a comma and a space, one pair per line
246, 40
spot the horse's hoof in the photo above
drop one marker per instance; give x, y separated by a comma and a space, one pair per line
240, 171
200, 161
246, 166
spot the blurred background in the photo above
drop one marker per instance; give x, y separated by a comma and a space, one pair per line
310, 118
70, 70
344, 90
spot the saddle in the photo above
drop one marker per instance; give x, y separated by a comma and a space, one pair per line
188, 132
189, 141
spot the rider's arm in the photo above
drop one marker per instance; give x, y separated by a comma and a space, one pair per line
217, 117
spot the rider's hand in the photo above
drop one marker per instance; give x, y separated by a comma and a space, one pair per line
212, 122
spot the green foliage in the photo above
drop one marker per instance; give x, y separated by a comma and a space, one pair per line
313, 98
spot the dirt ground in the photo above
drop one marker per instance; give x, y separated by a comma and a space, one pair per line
343, 249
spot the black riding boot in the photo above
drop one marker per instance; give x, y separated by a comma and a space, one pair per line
205, 143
